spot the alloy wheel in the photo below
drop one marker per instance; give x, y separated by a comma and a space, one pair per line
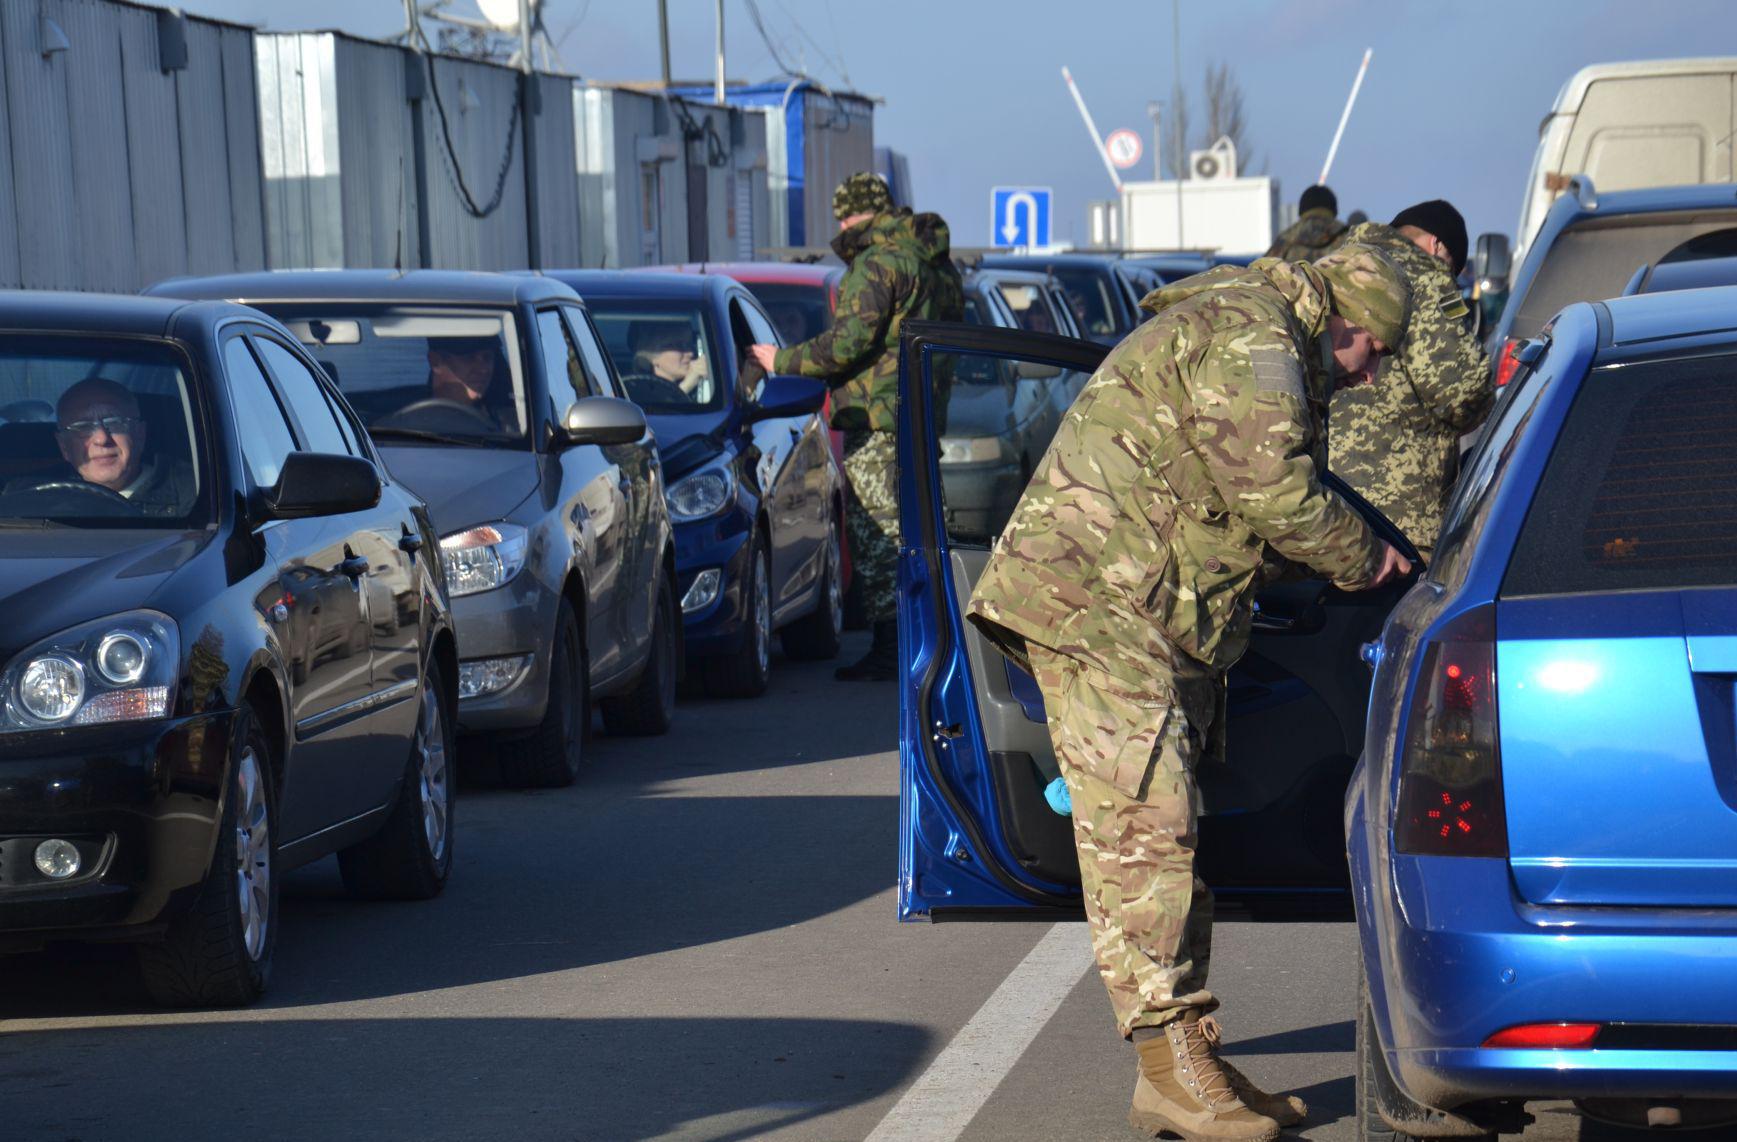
835, 580
432, 773
252, 853
762, 617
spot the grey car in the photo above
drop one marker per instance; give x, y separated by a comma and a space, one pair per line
489, 395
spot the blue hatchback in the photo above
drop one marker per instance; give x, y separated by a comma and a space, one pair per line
1543, 829
754, 493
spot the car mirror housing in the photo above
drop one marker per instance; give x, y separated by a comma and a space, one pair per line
602, 420
1493, 260
320, 484
787, 396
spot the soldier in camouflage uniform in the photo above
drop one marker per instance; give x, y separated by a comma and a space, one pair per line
1398, 443
899, 268
1315, 232
1185, 475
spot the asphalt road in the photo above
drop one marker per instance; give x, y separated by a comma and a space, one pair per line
697, 941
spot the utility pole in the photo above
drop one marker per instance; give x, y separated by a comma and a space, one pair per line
1155, 109
663, 37
1178, 143
718, 89
529, 104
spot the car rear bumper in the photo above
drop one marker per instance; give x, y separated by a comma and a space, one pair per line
719, 627
1463, 958
143, 800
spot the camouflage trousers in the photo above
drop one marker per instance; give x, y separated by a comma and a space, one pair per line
871, 520
1129, 758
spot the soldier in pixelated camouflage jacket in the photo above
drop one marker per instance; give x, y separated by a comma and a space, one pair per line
900, 269
1398, 441
1311, 236
1184, 476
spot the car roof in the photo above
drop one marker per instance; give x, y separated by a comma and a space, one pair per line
642, 285
1652, 317
782, 273
1010, 274
54, 311
469, 287
1571, 207
1071, 260
1694, 273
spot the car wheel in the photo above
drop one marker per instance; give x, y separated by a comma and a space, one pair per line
555, 751
649, 708
745, 673
411, 856
218, 954
815, 636
1375, 1086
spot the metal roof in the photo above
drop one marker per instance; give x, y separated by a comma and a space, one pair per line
448, 286
643, 285
788, 273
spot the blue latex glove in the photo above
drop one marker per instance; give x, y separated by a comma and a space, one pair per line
1056, 793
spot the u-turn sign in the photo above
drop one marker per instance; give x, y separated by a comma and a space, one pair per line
1019, 216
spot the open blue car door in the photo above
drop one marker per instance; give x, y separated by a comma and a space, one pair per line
978, 406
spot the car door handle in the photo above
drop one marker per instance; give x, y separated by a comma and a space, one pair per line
410, 543
355, 566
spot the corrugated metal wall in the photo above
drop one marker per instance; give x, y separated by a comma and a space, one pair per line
113, 172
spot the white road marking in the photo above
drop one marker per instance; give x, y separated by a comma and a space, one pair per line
946, 1097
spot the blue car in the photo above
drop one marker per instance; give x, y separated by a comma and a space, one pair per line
978, 839
1542, 832
755, 495
1592, 243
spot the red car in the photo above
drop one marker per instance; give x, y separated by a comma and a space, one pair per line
799, 297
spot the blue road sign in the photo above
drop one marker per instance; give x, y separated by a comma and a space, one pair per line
1019, 216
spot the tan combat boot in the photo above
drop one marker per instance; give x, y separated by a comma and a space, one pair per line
1184, 1089
1284, 1109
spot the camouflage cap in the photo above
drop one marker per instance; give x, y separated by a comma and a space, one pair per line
1368, 291
861, 193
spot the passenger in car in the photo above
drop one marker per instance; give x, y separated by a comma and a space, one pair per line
103, 435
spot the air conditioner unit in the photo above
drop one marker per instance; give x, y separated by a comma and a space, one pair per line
1216, 162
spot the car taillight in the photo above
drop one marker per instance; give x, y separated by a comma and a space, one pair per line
1546, 1036
1450, 785
1508, 363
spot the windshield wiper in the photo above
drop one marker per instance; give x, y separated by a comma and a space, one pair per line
422, 434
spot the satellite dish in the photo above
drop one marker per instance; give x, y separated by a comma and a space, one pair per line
503, 14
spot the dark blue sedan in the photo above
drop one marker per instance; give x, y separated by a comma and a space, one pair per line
754, 494
1543, 828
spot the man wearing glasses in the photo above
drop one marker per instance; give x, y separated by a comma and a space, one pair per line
103, 436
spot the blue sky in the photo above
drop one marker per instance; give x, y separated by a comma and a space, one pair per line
974, 94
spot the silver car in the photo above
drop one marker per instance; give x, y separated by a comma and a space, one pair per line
488, 395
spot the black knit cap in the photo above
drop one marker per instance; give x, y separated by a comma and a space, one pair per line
1318, 196
1438, 217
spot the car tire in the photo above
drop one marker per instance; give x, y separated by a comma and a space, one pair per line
552, 755
1375, 1085
649, 708
218, 953
815, 636
746, 673
411, 856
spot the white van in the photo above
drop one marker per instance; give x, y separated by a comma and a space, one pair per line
1631, 125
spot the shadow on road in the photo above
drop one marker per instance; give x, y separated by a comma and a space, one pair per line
1328, 1038
450, 1078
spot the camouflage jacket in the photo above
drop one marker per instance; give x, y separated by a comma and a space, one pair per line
898, 270
1312, 236
1183, 477
1397, 441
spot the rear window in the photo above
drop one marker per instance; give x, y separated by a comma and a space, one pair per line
1641, 489
1596, 259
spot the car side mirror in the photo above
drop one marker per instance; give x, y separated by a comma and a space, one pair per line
321, 484
786, 396
1492, 262
602, 420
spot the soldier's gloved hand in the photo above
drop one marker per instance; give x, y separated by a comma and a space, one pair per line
1393, 566
765, 355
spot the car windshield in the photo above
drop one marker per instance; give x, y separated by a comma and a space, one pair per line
1595, 260
663, 353
1029, 305
416, 372
98, 432
1088, 292
798, 312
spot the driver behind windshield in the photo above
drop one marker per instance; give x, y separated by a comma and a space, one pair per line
464, 370
666, 351
102, 434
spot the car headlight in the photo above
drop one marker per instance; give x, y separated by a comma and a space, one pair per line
971, 449
702, 494
482, 558
118, 669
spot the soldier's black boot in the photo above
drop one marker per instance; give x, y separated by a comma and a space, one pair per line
881, 663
